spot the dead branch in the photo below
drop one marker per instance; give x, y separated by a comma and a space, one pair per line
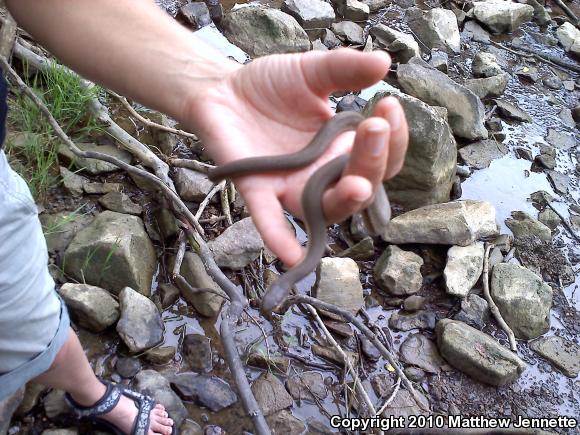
217, 188
492, 306
391, 398
192, 164
224, 199
568, 12
565, 223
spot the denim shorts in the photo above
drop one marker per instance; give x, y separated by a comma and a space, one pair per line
34, 322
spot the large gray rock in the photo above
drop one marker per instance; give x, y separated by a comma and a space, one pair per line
352, 10
192, 185
403, 45
452, 223
562, 353
465, 111
121, 203
523, 299
238, 245
113, 252
463, 268
73, 183
485, 65
523, 225
421, 352
398, 271
502, 16
310, 14
375, 5
60, 228
284, 423
511, 111
259, 31
429, 169
208, 391
307, 385
90, 307
155, 385
561, 140
474, 311
94, 166
197, 352
402, 321
477, 354
569, 37
437, 28
488, 87
140, 326
338, 283
271, 394
349, 32
480, 154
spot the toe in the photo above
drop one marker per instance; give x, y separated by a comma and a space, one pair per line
160, 425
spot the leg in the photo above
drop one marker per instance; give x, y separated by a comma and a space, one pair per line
72, 373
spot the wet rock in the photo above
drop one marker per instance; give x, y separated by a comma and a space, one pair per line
208, 391
197, 352
361, 251
463, 268
549, 218
102, 188
196, 14
522, 224
510, 111
7, 407
160, 355
349, 32
332, 355
419, 351
155, 385
545, 161
338, 327
474, 311
429, 168
306, 386
90, 307
271, 394
121, 203
402, 321
337, 282
501, 16
404, 405
60, 228
192, 185
453, 223
488, 86
485, 65
310, 14
113, 252
523, 299
479, 155
560, 140
238, 245
206, 303
414, 303
552, 82
465, 110
54, 404
383, 385
528, 73
352, 10
280, 364
401, 44
369, 349
437, 28
161, 223
375, 5
559, 181
168, 294
477, 354
414, 374
140, 326
524, 153
398, 271
563, 354
128, 367
569, 37
284, 423
73, 183
190, 427
93, 166
473, 31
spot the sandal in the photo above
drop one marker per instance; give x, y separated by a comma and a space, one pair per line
108, 402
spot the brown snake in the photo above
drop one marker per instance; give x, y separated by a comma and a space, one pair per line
377, 215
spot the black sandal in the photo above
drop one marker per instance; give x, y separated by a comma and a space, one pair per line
108, 402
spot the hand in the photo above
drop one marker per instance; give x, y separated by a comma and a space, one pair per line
275, 105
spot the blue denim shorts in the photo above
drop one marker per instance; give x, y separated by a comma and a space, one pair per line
34, 322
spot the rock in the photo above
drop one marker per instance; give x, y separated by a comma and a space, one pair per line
576, 113
94, 166
465, 110
350, 102
90, 307
73, 183
559, 181
563, 354
140, 326
453, 223
337, 282
414, 374
401, 44
404, 406
473, 31
437, 28
196, 14
155, 385
310, 14
567, 117
522, 225
332, 355
54, 404
102, 188
528, 73
375, 5
349, 32
502, 16
545, 161
552, 82
259, 31
306, 386
421, 352
523, 299
479, 155
418, 320
329, 39
121, 203
477, 354
271, 394
128, 367
168, 294
281, 364
541, 15
560, 140
338, 327
197, 352
7, 407
398, 271
569, 37
208, 391
193, 271
439, 60
284, 423
160, 355
429, 168
463, 268
414, 303
60, 228
318, 45
544, 38
510, 111
69, 431
31, 398
549, 218
474, 311
361, 251
352, 10
192, 185
113, 252
488, 86
190, 427
237, 246
485, 65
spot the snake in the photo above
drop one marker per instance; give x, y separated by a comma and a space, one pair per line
314, 218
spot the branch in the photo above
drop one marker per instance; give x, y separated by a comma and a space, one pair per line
217, 188
568, 12
565, 223
194, 165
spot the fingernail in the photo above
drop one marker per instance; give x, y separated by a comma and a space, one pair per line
363, 194
395, 119
377, 140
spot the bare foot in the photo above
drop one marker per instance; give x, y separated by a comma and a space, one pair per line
124, 414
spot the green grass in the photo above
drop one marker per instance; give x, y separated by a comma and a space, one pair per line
36, 156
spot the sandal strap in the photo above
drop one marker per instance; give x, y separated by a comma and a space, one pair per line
145, 405
104, 405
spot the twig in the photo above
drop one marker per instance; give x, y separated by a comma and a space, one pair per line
191, 164
182, 282
492, 306
255, 322
565, 223
390, 399
307, 362
568, 12
217, 188
180, 254
226, 206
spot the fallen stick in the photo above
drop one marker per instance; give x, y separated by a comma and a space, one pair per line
568, 12
192, 164
565, 223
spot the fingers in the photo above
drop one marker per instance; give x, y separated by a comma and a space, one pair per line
343, 69
390, 109
348, 196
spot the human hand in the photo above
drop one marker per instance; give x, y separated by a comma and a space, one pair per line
275, 105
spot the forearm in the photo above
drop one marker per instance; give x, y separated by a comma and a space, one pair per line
130, 46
